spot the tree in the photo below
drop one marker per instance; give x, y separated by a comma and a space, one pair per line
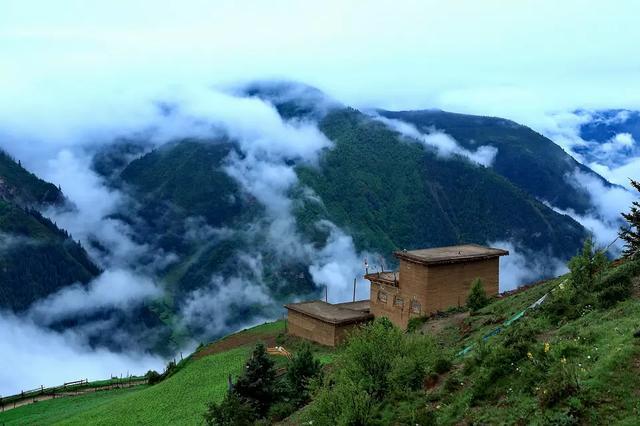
477, 298
302, 368
631, 233
257, 384
587, 267
232, 411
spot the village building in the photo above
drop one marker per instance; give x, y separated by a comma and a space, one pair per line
326, 323
428, 281
432, 280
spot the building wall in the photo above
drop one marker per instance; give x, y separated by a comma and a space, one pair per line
438, 287
398, 313
310, 328
428, 289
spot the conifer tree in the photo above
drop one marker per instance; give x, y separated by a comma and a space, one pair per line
631, 232
477, 298
257, 384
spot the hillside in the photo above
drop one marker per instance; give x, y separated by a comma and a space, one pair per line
547, 367
384, 192
526, 158
392, 195
36, 257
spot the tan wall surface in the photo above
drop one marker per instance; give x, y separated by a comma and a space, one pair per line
310, 328
398, 315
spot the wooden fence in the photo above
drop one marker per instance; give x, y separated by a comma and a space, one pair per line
66, 389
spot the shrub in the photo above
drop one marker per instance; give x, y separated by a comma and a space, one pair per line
442, 365
562, 383
153, 377
477, 298
232, 411
302, 368
416, 323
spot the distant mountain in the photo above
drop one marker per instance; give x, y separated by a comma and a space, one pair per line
612, 137
391, 195
526, 158
36, 257
385, 192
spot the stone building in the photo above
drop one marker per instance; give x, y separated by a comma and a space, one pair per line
432, 280
326, 323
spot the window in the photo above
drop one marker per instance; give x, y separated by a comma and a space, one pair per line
382, 297
415, 307
398, 302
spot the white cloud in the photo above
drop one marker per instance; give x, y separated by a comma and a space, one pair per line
34, 356
521, 267
113, 289
445, 145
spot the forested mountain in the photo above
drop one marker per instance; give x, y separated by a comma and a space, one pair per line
203, 229
385, 192
393, 195
36, 257
525, 157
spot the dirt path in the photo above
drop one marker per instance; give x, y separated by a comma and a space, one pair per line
38, 398
235, 341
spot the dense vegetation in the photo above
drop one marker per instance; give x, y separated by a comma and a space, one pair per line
20, 186
36, 257
630, 232
570, 361
526, 158
384, 191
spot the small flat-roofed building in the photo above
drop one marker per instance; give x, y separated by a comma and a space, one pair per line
326, 323
432, 280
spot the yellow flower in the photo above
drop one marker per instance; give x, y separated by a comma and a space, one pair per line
547, 346
563, 360
529, 355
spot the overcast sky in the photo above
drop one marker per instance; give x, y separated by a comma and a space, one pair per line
479, 56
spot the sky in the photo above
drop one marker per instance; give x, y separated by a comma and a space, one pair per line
492, 56
75, 74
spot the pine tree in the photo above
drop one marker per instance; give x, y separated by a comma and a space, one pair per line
302, 368
477, 298
631, 233
257, 384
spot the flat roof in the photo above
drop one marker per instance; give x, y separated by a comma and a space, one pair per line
359, 305
330, 313
451, 254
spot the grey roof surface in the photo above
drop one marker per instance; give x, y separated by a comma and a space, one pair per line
334, 314
451, 254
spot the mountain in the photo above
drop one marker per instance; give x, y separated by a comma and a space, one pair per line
385, 192
610, 137
36, 257
526, 158
392, 195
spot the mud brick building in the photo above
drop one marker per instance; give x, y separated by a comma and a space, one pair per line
432, 280
326, 323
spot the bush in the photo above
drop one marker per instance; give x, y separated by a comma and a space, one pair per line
232, 411
416, 323
378, 364
302, 369
477, 298
442, 365
153, 377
